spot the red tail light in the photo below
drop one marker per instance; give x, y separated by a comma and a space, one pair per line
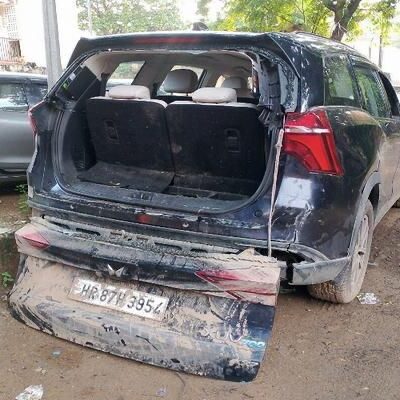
309, 138
32, 120
251, 285
29, 235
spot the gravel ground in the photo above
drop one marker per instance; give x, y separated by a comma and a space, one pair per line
318, 350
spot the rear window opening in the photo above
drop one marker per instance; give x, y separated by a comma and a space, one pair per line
165, 128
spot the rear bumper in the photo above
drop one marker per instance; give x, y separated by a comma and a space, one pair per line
204, 335
220, 310
307, 273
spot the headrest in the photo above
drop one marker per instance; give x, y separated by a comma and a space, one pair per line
214, 95
129, 92
180, 81
239, 84
235, 82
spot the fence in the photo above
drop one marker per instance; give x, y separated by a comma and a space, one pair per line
10, 50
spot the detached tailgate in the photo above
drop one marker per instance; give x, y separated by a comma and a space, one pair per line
207, 313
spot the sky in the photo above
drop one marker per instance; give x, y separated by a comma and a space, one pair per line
189, 7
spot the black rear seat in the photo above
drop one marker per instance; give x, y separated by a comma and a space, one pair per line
125, 128
129, 131
217, 140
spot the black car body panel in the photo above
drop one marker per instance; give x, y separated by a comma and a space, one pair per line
81, 232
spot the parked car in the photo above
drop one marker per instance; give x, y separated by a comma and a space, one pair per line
156, 234
18, 92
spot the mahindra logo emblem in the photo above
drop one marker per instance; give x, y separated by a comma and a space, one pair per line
115, 272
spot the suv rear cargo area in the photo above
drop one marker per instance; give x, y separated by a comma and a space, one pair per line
203, 145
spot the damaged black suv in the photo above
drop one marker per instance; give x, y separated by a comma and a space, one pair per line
178, 178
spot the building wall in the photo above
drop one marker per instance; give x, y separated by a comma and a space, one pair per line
30, 29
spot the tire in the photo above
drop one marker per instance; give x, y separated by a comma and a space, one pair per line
397, 204
347, 284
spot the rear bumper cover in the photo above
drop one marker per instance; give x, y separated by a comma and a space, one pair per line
219, 316
204, 335
307, 273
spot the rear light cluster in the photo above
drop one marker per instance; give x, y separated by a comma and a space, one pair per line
245, 285
28, 235
309, 138
32, 120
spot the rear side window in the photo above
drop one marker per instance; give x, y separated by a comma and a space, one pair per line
391, 95
12, 97
125, 73
340, 89
374, 97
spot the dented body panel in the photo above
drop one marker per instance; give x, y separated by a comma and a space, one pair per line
210, 262
203, 331
221, 271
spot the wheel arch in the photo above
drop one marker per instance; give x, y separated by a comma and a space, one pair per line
370, 192
374, 197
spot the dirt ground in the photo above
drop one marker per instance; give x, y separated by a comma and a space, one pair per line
318, 350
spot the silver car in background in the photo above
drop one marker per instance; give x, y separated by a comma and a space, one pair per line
18, 92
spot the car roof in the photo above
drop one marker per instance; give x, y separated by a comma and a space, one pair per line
312, 42
318, 44
22, 75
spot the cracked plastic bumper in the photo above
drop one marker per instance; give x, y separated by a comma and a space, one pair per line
200, 334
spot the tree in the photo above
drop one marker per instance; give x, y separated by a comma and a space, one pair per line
203, 9
282, 15
343, 12
381, 15
123, 16
287, 15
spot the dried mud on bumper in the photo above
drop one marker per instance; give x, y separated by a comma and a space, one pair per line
207, 335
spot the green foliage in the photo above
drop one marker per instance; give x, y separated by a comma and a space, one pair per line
273, 15
6, 278
314, 16
23, 206
124, 16
381, 14
203, 8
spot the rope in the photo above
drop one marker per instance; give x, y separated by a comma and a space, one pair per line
278, 147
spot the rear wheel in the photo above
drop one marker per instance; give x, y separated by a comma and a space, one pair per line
348, 283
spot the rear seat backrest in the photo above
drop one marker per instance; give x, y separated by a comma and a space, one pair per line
216, 135
129, 128
239, 84
180, 81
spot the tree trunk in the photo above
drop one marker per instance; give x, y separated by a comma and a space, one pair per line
344, 11
340, 30
380, 60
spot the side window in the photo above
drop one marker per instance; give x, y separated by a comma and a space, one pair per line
125, 73
35, 93
12, 97
391, 95
340, 89
375, 100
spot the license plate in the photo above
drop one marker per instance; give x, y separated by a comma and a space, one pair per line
119, 298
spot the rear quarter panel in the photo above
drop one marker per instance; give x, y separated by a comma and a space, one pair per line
319, 211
